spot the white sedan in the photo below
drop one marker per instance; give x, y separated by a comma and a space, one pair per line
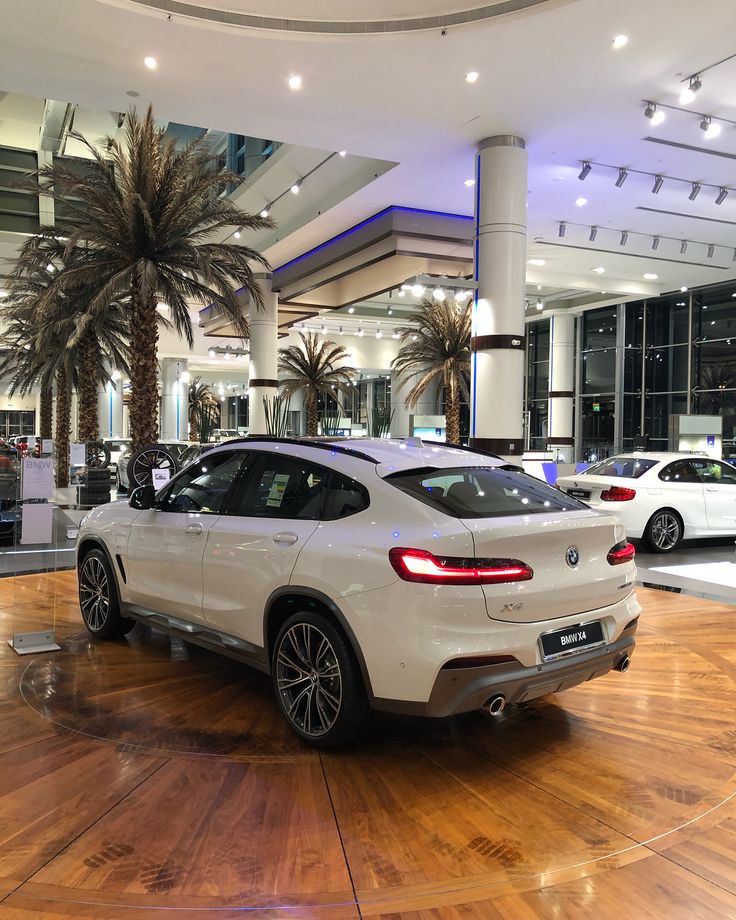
661, 498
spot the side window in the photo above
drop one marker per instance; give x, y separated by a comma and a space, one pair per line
344, 497
679, 471
202, 486
711, 471
282, 487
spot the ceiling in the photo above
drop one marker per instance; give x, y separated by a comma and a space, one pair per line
548, 73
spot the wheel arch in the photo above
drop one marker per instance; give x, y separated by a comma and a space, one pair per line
281, 605
90, 542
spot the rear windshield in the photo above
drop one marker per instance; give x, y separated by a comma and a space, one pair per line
481, 491
625, 467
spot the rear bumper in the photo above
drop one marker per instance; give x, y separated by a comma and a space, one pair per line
467, 689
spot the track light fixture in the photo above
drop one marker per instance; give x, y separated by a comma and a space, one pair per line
658, 182
734, 256
683, 247
655, 115
624, 237
584, 171
237, 233
561, 231
266, 211
296, 186
622, 177
711, 128
688, 93
655, 243
540, 304
694, 191
593, 234
722, 195
711, 250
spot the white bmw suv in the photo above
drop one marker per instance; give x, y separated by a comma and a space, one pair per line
394, 574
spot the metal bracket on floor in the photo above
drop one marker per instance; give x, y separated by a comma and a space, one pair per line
32, 642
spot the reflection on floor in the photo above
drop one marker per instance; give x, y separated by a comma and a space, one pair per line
148, 776
703, 568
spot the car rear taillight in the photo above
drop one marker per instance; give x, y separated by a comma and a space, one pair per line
618, 494
419, 565
621, 552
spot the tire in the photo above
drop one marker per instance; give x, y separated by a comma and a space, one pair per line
325, 712
663, 533
152, 456
97, 455
98, 598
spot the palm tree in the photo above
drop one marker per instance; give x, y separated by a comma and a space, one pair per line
311, 367
142, 217
204, 409
437, 349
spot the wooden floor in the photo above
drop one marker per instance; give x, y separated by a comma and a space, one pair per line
149, 774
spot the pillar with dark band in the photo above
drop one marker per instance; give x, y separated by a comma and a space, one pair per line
263, 367
498, 344
561, 383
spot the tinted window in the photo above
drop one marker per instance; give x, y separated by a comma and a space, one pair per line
679, 471
626, 467
282, 487
202, 486
344, 497
713, 471
479, 492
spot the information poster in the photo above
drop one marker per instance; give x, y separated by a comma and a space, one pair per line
47, 446
160, 478
37, 525
38, 477
77, 454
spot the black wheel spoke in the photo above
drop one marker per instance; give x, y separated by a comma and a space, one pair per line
308, 679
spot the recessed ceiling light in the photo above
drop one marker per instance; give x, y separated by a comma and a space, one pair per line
351, 309
470, 183
150, 62
684, 288
295, 81
599, 270
536, 261
417, 289
620, 41
650, 276
471, 76
581, 202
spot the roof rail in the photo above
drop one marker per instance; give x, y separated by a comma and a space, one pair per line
303, 442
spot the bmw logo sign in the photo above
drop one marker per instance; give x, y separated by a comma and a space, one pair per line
572, 556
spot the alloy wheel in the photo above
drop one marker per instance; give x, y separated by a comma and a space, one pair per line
94, 593
665, 531
148, 459
308, 679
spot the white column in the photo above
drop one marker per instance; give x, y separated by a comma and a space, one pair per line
497, 401
174, 399
400, 423
103, 410
115, 409
561, 383
263, 366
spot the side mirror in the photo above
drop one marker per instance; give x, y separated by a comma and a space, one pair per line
142, 498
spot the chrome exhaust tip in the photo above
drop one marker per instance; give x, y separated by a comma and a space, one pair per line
496, 705
623, 665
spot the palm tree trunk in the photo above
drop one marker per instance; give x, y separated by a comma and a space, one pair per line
452, 411
45, 421
89, 425
63, 419
143, 368
312, 417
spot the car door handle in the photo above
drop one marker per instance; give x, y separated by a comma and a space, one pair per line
286, 537
194, 529
711, 488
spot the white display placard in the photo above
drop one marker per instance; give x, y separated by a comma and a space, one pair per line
77, 454
31, 441
159, 478
38, 477
47, 446
37, 524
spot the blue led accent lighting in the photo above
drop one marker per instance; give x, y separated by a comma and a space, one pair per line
475, 293
395, 533
364, 223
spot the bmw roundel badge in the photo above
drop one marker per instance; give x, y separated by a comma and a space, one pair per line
572, 556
